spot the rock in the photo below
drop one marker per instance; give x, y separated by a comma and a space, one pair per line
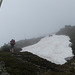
3, 70
68, 58
73, 64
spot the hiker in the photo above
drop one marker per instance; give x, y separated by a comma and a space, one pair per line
12, 43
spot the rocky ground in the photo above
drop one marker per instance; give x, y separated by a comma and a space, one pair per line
3, 70
28, 64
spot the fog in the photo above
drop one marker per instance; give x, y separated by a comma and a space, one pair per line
22, 19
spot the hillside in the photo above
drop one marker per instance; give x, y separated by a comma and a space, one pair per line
27, 42
26, 63
69, 31
29, 64
55, 48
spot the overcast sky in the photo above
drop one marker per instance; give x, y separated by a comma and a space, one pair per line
20, 19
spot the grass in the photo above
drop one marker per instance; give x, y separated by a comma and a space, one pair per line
29, 64
15, 66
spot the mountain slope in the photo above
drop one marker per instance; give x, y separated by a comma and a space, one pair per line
69, 31
27, 42
26, 63
54, 48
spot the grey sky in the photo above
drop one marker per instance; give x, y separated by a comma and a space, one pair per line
20, 19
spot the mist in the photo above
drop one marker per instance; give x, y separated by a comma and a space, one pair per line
22, 19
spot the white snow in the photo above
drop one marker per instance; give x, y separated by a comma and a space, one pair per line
54, 48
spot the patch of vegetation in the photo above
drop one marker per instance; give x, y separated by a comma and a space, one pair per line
44, 64
57, 73
6, 48
26, 63
15, 66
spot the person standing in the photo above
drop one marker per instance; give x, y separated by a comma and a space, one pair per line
12, 43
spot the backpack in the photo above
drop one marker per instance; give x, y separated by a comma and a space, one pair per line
12, 42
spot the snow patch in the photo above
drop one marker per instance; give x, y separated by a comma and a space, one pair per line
54, 48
